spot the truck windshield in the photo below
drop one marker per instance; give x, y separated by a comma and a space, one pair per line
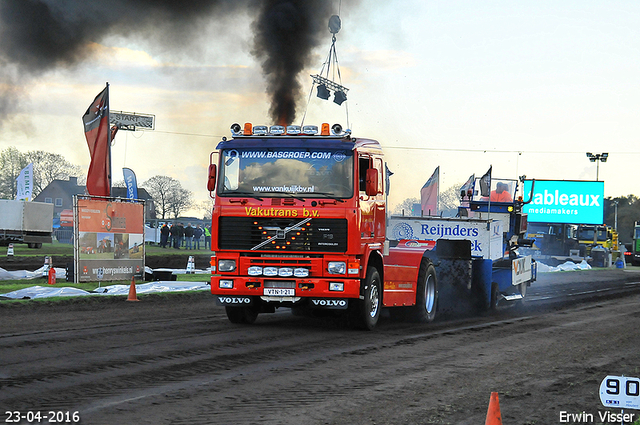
586, 233
285, 172
501, 190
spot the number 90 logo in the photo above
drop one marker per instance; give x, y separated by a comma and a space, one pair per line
620, 391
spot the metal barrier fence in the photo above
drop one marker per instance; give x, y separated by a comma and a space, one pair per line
63, 235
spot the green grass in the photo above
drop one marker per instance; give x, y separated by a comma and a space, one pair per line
57, 248
48, 249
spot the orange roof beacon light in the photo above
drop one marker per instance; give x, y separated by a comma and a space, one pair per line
325, 129
248, 129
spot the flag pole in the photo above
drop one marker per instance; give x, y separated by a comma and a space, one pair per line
438, 212
109, 135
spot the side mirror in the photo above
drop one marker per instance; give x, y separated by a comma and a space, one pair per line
211, 181
372, 182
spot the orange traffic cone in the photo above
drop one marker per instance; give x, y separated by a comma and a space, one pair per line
132, 290
493, 413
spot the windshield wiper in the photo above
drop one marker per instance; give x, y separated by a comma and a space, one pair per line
329, 195
239, 193
290, 195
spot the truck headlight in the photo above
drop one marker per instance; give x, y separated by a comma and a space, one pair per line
285, 272
254, 271
337, 267
226, 265
270, 271
301, 272
225, 284
336, 286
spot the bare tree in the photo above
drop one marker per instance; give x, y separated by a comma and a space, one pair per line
48, 167
159, 187
12, 161
181, 199
450, 200
206, 207
405, 207
169, 197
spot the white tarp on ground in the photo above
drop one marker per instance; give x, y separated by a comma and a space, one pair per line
143, 288
564, 267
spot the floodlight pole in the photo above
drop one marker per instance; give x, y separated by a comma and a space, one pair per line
598, 158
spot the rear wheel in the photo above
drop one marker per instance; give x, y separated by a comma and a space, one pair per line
427, 294
367, 311
244, 315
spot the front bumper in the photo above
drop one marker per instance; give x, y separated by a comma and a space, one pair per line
246, 286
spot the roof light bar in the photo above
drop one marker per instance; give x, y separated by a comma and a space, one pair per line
276, 130
260, 130
310, 129
293, 129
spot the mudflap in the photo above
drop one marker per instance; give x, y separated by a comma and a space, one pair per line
454, 271
482, 279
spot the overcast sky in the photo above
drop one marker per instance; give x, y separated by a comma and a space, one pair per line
528, 87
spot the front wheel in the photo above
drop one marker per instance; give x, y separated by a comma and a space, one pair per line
243, 315
427, 294
368, 309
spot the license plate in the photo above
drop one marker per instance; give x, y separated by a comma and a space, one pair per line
280, 292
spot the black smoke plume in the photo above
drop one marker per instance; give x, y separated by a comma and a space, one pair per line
285, 33
37, 36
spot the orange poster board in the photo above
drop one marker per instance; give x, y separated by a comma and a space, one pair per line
109, 239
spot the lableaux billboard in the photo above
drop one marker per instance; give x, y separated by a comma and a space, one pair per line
564, 201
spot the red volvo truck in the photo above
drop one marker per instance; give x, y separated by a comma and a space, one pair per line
299, 221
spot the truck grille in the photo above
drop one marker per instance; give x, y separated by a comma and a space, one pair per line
316, 235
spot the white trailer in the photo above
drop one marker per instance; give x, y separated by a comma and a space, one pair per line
25, 222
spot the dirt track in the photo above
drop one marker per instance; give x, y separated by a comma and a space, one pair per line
177, 360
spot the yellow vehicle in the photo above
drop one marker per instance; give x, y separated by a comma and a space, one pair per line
590, 236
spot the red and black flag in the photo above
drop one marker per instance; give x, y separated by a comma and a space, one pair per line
98, 134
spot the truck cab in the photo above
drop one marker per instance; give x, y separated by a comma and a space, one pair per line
299, 217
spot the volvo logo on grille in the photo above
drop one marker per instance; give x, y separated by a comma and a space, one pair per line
329, 303
234, 300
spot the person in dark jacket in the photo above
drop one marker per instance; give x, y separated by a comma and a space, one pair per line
180, 231
197, 234
173, 231
188, 235
164, 235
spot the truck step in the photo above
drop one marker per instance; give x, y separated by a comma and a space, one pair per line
513, 297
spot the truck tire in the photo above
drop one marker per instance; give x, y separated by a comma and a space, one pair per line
427, 294
367, 310
242, 315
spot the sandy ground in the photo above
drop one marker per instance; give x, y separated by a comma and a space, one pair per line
177, 360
